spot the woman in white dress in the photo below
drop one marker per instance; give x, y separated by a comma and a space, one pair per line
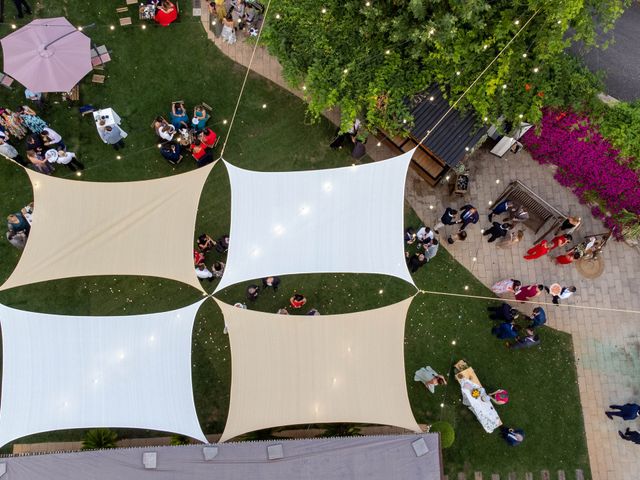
228, 30
508, 285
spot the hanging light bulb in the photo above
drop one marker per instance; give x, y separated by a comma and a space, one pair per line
524, 55
517, 22
536, 70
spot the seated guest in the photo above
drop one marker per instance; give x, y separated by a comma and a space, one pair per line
499, 397
163, 129
200, 118
222, 244
208, 137
170, 151
166, 13
203, 273
217, 269
17, 239
205, 243
52, 139
538, 319
200, 153
425, 235
298, 300
178, 115
16, 222
416, 261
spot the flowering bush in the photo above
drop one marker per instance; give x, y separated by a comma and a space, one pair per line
594, 170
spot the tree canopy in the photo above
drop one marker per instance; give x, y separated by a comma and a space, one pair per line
367, 57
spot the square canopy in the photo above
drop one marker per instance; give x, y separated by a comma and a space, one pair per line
347, 220
290, 370
63, 372
119, 228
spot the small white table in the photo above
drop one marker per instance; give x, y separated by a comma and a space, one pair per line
108, 115
51, 155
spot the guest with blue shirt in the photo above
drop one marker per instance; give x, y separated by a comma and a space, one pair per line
501, 208
539, 318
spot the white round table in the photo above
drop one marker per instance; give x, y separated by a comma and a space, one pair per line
51, 155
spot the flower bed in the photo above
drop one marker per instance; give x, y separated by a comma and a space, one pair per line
594, 170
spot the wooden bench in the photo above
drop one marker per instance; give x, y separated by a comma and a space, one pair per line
72, 95
541, 213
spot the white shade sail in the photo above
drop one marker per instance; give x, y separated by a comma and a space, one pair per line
347, 220
126, 228
289, 370
63, 372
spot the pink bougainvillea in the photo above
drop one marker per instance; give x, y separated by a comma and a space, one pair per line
588, 165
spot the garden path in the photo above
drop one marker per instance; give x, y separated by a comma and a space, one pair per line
606, 344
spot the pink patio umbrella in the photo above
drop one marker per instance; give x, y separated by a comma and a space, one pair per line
47, 55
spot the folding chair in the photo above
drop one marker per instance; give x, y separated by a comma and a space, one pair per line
6, 81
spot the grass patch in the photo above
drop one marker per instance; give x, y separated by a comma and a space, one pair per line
154, 66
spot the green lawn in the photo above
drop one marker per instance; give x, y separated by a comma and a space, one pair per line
154, 66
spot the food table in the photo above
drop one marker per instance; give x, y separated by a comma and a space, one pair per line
111, 119
476, 398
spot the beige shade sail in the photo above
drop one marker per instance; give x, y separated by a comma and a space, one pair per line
129, 228
289, 370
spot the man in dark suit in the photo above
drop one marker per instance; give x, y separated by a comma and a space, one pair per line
469, 215
628, 411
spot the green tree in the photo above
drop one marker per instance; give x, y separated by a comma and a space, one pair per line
367, 57
99, 438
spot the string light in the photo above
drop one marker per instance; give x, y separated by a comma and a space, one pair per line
485, 47
497, 180
278, 16
559, 22
112, 27
264, 105
144, 27
367, 4
387, 52
159, 145
379, 144
304, 87
118, 157
536, 70
447, 177
432, 31
442, 405
504, 86
458, 73
474, 259
466, 149
80, 28
517, 22
430, 207
13, 25
380, 291
486, 119
521, 116
345, 71
524, 55
453, 342
224, 122
466, 287
79, 174
324, 10
431, 98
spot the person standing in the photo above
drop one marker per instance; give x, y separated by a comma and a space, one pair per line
111, 134
497, 230
569, 225
630, 435
19, 4
537, 250
513, 437
508, 285
528, 292
431, 250
560, 241
503, 207
449, 217
628, 411
8, 151
539, 318
511, 239
565, 292
70, 160
468, 216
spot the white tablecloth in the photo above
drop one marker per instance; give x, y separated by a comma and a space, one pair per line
108, 115
481, 407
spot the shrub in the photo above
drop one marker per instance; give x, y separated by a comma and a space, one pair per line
99, 438
447, 434
179, 440
591, 167
621, 125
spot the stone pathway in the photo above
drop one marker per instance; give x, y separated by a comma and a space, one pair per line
606, 344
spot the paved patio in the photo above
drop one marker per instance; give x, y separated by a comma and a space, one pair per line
607, 344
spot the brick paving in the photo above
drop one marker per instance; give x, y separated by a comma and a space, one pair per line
606, 344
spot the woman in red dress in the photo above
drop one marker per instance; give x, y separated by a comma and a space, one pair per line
297, 301
208, 137
537, 251
560, 241
166, 14
567, 258
528, 292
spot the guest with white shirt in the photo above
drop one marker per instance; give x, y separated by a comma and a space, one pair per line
52, 139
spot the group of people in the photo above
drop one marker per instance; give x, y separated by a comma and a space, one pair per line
426, 247
182, 133
19, 226
44, 146
205, 245
233, 16
517, 336
524, 293
629, 412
